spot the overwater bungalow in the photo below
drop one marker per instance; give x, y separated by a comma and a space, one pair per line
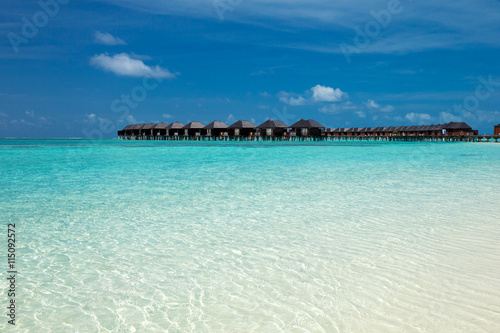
436, 130
216, 128
193, 129
127, 131
351, 131
496, 130
375, 131
175, 129
160, 129
306, 128
388, 131
136, 130
147, 129
458, 129
242, 128
272, 128
335, 131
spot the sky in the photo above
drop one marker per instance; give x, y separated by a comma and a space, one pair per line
72, 68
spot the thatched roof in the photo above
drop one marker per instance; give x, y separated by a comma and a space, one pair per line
161, 126
175, 125
243, 124
138, 126
437, 127
272, 124
128, 127
302, 123
216, 124
148, 126
497, 125
194, 125
457, 126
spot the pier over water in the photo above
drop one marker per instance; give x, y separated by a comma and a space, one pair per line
395, 138
302, 130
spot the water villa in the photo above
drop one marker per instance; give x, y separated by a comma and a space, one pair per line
307, 128
302, 130
496, 130
174, 129
160, 129
272, 128
193, 129
216, 128
242, 128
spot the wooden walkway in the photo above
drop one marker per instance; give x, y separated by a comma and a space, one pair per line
472, 138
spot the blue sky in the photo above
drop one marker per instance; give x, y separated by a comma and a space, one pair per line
87, 68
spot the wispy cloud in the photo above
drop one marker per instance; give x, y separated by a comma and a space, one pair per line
371, 104
419, 118
124, 65
289, 99
107, 39
336, 108
90, 118
422, 25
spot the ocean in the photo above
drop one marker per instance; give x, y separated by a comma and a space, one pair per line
145, 236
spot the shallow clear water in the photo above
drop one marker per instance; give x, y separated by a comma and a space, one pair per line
253, 237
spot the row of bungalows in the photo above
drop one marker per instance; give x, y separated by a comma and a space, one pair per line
218, 129
449, 129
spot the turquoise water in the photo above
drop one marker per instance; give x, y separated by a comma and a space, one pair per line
119, 236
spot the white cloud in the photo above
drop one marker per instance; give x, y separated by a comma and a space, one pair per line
263, 107
291, 100
30, 114
419, 118
107, 39
371, 104
167, 115
361, 114
478, 116
90, 118
317, 94
327, 94
124, 65
265, 94
446, 117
